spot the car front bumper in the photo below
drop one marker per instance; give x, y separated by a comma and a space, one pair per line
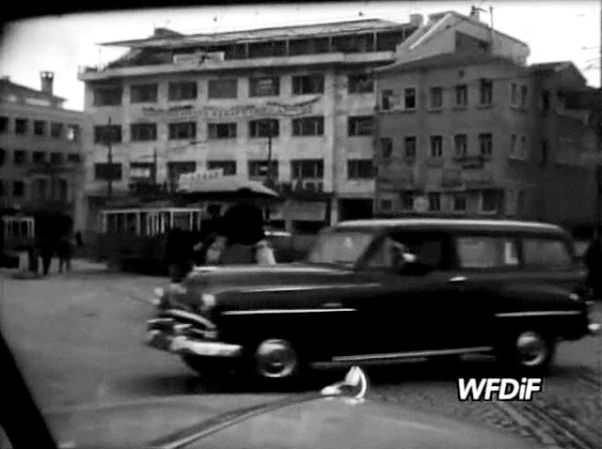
168, 335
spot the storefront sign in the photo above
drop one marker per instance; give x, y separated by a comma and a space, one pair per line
192, 181
268, 109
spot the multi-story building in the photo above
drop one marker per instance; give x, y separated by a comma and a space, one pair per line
41, 154
301, 97
466, 128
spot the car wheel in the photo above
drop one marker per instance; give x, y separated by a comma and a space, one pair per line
276, 359
530, 351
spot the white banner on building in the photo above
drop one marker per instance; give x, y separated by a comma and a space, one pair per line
268, 109
191, 181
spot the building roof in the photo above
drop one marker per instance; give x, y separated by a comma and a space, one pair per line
168, 38
6, 85
446, 60
557, 66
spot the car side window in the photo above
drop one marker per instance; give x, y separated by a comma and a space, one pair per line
487, 252
429, 249
546, 253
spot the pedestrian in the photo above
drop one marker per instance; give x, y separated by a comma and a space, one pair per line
64, 251
593, 262
46, 250
245, 238
179, 254
212, 228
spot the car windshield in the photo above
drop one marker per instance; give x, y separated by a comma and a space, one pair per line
339, 247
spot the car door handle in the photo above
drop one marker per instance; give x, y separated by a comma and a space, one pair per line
331, 305
457, 279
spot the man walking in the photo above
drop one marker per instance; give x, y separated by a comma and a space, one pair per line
593, 261
64, 251
46, 250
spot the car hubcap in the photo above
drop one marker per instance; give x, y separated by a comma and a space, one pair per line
276, 359
532, 349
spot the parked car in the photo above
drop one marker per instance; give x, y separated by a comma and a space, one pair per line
378, 290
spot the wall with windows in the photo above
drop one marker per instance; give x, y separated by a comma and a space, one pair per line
41, 156
480, 139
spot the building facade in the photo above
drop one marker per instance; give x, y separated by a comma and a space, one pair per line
480, 133
299, 100
41, 151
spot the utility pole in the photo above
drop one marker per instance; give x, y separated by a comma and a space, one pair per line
598, 111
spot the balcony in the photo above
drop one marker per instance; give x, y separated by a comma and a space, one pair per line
303, 189
471, 161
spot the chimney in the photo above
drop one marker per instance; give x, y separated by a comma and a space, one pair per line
416, 19
47, 79
475, 13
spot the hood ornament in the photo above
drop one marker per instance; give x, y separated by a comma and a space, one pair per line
355, 386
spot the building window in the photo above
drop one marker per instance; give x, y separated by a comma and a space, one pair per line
523, 96
264, 128
409, 145
104, 171
73, 133
407, 201
175, 169
360, 125
74, 158
183, 130
307, 169
409, 98
308, 46
143, 132
523, 152
3, 153
143, 93
386, 205
353, 43
19, 157
434, 201
436, 97
56, 158
222, 130
308, 84
105, 134
56, 130
182, 90
460, 145
4, 122
486, 92
436, 146
514, 94
39, 127
107, 96
386, 97
141, 171
223, 88
489, 201
461, 96
360, 169
228, 167
514, 146
266, 49
486, 144
386, 147
18, 189
543, 159
361, 83
545, 101
267, 86
259, 169
308, 126
39, 157
459, 202
21, 126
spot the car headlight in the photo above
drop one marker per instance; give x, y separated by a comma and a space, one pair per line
207, 302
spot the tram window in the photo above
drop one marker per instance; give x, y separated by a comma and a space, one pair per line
182, 220
143, 225
130, 223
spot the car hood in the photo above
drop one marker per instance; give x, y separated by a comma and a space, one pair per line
244, 277
260, 421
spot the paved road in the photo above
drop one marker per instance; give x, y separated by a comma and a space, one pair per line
78, 340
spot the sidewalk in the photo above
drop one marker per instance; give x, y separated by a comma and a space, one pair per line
78, 266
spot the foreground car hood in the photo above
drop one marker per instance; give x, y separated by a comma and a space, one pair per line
239, 277
260, 421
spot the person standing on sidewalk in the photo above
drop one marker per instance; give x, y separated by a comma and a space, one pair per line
593, 261
46, 250
64, 251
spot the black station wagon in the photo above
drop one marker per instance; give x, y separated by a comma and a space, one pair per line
376, 290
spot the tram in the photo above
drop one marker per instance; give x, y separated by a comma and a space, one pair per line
134, 239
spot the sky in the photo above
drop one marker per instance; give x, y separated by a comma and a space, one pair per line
554, 31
